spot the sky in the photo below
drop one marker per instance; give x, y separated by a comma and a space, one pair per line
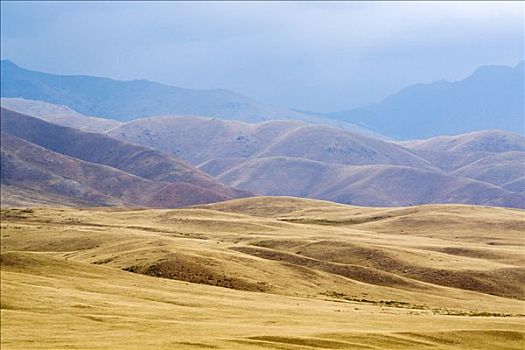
316, 56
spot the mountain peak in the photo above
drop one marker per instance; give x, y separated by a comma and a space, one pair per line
490, 69
8, 62
490, 98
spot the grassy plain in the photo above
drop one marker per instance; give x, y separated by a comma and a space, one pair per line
263, 273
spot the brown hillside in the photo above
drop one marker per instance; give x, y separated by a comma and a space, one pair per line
189, 185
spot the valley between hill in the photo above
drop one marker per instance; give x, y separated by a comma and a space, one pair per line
263, 272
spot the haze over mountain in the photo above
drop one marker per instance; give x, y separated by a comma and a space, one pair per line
318, 56
491, 98
127, 100
290, 157
93, 168
58, 114
295, 159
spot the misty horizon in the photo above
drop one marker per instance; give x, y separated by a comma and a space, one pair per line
258, 100
320, 57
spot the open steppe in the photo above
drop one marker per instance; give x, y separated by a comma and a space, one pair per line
263, 273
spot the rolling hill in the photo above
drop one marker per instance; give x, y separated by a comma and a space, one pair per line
263, 272
517, 185
197, 140
98, 170
368, 185
292, 158
58, 114
491, 98
498, 169
453, 152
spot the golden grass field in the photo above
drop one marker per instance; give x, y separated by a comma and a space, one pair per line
263, 273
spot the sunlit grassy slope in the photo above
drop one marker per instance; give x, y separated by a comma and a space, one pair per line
266, 272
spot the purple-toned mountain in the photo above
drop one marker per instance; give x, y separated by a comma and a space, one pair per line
96, 169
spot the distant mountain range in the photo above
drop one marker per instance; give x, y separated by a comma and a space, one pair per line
57, 149
128, 100
55, 164
491, 98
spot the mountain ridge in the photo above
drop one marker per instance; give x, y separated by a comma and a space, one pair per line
291, 158
134, 99
491, 97
197, 140
137, 166
58, 114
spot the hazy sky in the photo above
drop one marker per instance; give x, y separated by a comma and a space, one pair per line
310, 55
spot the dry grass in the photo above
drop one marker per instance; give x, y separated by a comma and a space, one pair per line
276, 273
